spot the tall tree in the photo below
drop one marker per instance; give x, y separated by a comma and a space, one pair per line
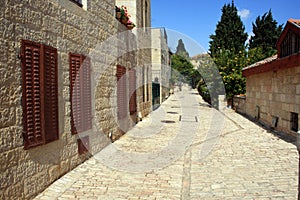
180, 50
266, 33
230, 32
182, 69
228, 50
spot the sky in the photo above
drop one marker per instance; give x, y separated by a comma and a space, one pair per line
195, 20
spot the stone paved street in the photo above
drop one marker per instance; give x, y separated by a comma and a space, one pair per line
187, 150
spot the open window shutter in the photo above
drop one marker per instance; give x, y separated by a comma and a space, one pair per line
132, 91
31, 94
50, 94
75, 61
121, 92
86, 94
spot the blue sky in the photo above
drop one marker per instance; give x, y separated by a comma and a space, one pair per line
197, 19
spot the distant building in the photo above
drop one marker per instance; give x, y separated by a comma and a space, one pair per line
161, 66
273, 85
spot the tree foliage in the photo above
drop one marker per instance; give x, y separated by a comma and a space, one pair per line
230, 32
266, 33
183, 70
228, 50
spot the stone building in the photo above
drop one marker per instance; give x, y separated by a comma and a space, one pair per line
273, 85
140, 15
69, 74
161, 69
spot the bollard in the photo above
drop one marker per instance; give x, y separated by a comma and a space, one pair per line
298, 148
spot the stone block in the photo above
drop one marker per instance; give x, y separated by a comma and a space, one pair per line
35, 184
54, 172
71, 33
298, 88
285, 107
64, 166
7, 117
10, 138
7, 177
52, 25
8, 160
14, 191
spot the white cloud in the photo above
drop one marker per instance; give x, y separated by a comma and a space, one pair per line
244, 14
249, 37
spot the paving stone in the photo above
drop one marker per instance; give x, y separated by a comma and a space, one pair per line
230, 158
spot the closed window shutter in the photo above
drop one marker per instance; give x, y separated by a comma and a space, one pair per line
86, 93
147, 85
31, 93
121, 92
132, 92
39, 93
80, 91
75, 93
50, 93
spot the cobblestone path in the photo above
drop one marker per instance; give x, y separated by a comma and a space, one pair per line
186, 150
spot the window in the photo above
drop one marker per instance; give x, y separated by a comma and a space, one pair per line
294, 121
290, 45
78, 2
121, 92
146, 14
143, 84
39, 93
132, 92
80, 92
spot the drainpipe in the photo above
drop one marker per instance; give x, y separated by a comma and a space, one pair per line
298, 148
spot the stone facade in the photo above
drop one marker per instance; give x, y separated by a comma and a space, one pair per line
239, 103
274, 94
92, 31
161, 69
273, 86
140, 15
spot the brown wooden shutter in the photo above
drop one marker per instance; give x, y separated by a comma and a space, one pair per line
121, 92
31, 93
147, 85
132, 92
80, 91
75, 61
50, 93
39, 93
86, 93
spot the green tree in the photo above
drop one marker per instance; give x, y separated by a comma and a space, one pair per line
230, 32
266, 33
182, 69
228, 50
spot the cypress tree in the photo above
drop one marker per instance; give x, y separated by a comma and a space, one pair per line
228, 50
266, 33
230, 32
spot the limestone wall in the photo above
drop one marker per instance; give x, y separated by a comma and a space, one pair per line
274, 94
69, 28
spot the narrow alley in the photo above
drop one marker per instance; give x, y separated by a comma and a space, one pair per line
186, 150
